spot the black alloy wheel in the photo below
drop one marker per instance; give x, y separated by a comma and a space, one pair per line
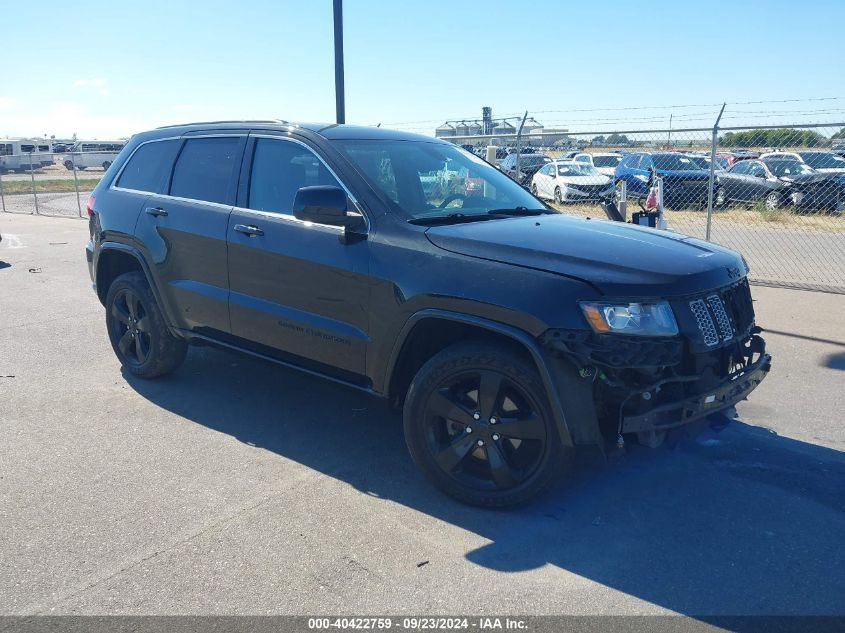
132, 326
137, 330
478, 424
484, 431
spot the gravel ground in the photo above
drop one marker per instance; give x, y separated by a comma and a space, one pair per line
234, 486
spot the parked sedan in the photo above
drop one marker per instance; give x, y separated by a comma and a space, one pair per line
568, 181
605, 162
528, 166
684, 180
825, 162
779, 182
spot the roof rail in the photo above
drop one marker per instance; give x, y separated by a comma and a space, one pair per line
164, 127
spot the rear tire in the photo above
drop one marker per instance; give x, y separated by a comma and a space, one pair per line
773, 201
478, 424
534, 189
137, 330
106, 165
68, 165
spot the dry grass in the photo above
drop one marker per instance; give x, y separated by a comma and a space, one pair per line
13, 187
695, 221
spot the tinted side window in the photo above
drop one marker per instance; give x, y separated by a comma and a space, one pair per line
757, 170
149, 167
740, 168
279, 170
204, 169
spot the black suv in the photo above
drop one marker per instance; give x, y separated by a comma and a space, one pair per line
409, 268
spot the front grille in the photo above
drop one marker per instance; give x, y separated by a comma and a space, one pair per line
723, 315
591, 190
718, 309
705, 322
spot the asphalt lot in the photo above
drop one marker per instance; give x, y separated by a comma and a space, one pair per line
238, 487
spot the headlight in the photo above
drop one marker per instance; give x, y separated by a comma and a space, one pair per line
641, 319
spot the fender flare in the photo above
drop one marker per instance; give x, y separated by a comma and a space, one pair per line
145, 268
517, 335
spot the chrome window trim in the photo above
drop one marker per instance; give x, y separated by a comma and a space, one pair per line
286, 217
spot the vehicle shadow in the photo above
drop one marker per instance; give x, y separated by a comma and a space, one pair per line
835, 361
734, 523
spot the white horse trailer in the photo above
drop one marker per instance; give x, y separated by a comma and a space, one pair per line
95, 154
18, 155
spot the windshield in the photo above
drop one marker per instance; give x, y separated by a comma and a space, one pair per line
606, 161
576, 169
676, 162
788, 167
700, 162
823, 160
421, 178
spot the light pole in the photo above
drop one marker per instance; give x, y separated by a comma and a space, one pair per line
338, 61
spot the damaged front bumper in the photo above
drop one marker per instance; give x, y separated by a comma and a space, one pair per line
643, 385
671, 414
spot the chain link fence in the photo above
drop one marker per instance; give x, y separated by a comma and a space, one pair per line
775, 194
49, 183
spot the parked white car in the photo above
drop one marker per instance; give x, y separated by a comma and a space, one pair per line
605, 162
95, 154
570, 181
825, 162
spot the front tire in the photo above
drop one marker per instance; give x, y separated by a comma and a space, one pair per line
720, 200
773, 201
137, 330
478, 424
558, 196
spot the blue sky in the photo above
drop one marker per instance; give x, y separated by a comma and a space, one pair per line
112, 68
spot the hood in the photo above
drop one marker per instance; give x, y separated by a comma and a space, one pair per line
806, 179
621, 260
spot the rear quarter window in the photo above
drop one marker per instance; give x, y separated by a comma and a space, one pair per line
149, 167
204, 169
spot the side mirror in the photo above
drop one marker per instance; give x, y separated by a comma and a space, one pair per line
322, 204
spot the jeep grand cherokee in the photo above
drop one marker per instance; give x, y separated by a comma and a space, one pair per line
510, 334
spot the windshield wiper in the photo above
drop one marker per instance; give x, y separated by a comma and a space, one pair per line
457, 218
518, 211
451, 218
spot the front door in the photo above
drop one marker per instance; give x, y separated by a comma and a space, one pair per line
298, 290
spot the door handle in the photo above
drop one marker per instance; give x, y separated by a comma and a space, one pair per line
155, 211
248, 229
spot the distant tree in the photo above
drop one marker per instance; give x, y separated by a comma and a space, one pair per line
618, 139
599, 140
839, 134
775, 137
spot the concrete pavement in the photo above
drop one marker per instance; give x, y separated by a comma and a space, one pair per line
234, 486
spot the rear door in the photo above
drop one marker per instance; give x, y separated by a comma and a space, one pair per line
299, 290
735, 180
185, 230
